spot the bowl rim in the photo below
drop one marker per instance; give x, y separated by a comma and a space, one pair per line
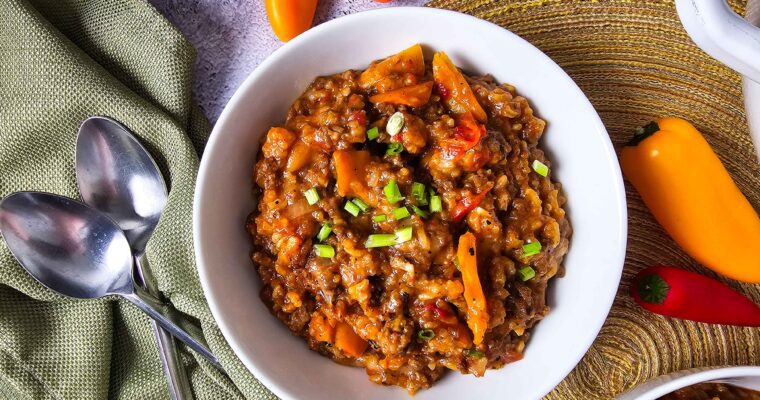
204, 274
669, 383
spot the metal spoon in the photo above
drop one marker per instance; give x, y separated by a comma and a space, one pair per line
79, 252
118, 177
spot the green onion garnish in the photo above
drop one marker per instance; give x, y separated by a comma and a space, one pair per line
352, 208
475, 353
324, 231
392, 192
400, 213
425, 334
526, 273
372, 133
420, 212
311, 196
435, 204
361, 204
456, 262
394, 149
531, 249
379, 218
419, 193
404, 234
540, 168
380, 240
324, 250
395, 123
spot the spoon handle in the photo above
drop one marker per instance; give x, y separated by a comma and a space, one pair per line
176, 375
164, 315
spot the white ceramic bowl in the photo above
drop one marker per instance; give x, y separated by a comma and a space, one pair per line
578, 145
748, 377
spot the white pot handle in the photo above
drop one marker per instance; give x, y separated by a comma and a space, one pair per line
723, 34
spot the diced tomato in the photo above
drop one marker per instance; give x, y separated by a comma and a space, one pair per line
442, 313
442, 91
358, 116
467, 134
468, 203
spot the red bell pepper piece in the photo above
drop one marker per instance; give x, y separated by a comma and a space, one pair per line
678, 293
468, 203
467, 134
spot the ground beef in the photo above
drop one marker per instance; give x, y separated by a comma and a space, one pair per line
403, 305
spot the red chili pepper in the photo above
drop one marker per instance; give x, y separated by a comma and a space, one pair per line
678, 293
468, 203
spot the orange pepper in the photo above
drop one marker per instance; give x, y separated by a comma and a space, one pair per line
412, 96
290, 18
477, 314
348, 341
454, 89
693, 197
409, 60
350, 171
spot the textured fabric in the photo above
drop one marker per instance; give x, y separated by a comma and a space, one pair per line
62, 61
635, 62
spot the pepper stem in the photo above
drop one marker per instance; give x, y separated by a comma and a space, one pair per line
653, 289
643, 132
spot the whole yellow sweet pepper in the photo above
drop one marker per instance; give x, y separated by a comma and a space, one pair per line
690, 193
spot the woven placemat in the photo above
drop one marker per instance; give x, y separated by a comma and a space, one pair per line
635, 62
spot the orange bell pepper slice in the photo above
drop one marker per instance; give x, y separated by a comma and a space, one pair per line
477, 313
348, 341
454, 89
412, 96
290, 18
351, 169
407, 61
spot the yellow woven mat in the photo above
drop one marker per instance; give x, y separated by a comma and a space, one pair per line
635, 62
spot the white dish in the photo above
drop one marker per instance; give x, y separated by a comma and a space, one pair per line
578, 145
748, 377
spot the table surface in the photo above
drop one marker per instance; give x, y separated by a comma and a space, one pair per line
233, 36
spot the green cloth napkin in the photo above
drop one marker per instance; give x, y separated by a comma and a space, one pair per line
62, 61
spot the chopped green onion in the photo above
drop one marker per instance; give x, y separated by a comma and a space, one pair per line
400, 213
380, 240
540, 168
361, 204
372, 133
422, 213
312, 197
435, 204
456, 262
392, 192
419, 193
352, 208
531, 249
425, 334
394, 149
404, 234
475, 353
395, 123
324, 250
379, 218
324, 231
526, 273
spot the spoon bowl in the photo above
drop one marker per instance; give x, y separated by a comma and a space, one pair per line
87, 248
117, 177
